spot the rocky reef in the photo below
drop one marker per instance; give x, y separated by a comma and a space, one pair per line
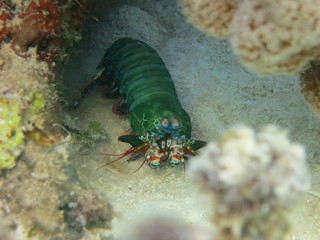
33, 38
35, 185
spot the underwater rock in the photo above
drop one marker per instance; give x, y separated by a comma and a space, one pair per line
41, 24
7, 233
270, 37
30, 194
254, 179
310, 83
38, 21
86, 209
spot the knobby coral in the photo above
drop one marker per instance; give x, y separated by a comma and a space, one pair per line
254, 179
207, 15
269, 36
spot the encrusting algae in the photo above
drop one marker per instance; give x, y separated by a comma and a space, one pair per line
28, 98
11, 135
14, 124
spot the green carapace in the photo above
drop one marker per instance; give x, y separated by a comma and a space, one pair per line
161, 127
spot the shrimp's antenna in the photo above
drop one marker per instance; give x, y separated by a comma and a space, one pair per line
140, 166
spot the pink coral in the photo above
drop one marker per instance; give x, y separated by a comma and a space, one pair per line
269, 36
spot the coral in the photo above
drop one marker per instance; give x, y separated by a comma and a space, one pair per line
28, 26
5, 16
164, 227
36, 22
26, 98
276, 37
310, 83
39, 171
37, 104
11, 136
87, 209
42, 24
29, 98
254, 179
40, 216
270, 37
213, 17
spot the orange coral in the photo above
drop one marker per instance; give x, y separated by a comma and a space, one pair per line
30, 25
310, 83
269, 36
38, 22
5, 16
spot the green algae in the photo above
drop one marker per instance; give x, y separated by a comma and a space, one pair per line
11, 135
37, 103
93, 134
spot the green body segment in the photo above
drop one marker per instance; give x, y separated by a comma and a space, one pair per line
142, 79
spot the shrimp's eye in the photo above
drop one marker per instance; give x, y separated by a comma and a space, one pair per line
163, 144
169, 142
175, 123
165, 122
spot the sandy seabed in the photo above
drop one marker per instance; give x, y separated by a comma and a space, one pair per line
214, 89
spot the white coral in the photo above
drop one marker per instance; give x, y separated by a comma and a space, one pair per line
276, 36
254, 178
206, 15
269, 36
265, 163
